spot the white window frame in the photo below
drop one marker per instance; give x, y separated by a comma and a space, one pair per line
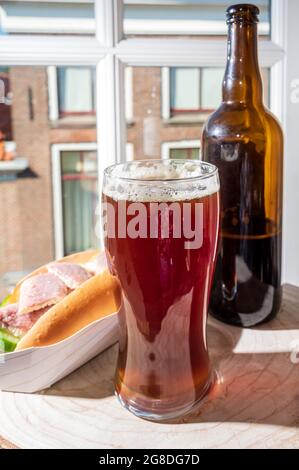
166, 90
178, 144
56, 150
53, 97
111, 53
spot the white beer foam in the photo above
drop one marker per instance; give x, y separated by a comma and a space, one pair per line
167, 181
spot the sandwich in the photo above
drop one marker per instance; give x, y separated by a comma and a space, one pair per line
57, 300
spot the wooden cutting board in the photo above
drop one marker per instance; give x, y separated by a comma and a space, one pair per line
255, 403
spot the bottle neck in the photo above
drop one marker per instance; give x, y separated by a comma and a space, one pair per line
242, 80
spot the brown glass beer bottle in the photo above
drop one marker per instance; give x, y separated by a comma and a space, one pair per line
244, 140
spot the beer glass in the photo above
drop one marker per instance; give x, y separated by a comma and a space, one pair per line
161, 223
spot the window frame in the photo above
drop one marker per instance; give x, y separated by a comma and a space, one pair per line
56, 150
53, 97
178, 111
178, 144
178, 27
66, 113
110, 52
166, 88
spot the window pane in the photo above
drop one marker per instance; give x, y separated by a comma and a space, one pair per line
76, 90
183, 17
80, 198
211, 87
184, 89
266, 85
184, 153
47, 17
37, 195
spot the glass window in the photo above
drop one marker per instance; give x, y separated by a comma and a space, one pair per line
80, 198
189, 18
195, 89
185, 89
184, 153
47, 17
211, 87
266, 86
76, 90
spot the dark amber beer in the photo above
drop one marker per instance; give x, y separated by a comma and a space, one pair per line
244, 140
163, 366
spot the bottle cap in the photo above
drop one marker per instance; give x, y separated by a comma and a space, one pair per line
242, 13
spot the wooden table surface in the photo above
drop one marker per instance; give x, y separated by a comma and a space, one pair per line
255, 403
6, 445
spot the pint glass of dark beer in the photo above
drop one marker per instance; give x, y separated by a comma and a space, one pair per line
161, 221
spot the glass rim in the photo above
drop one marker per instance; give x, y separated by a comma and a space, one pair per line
213, 171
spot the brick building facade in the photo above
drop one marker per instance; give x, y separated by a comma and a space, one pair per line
31, 204
26, 203
149, 130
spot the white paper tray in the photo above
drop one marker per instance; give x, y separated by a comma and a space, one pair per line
34, 369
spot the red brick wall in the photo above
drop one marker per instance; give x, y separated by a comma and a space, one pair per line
62, 135
32, 138
26, 221
26, 211
11, 247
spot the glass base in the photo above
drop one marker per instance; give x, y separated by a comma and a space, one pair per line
152, 414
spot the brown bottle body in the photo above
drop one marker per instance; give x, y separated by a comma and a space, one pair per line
244, 140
